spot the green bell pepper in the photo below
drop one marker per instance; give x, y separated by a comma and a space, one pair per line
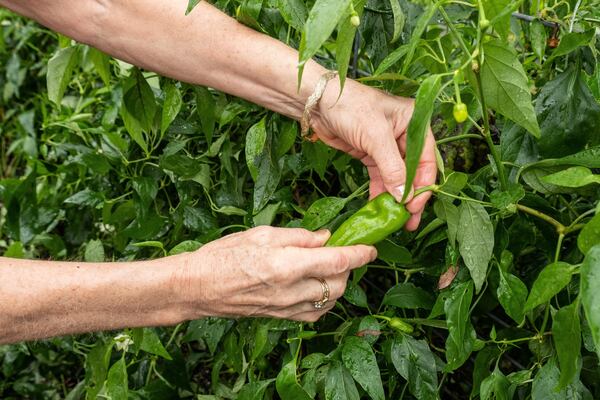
375, 221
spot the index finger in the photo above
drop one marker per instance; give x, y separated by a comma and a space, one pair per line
331, 261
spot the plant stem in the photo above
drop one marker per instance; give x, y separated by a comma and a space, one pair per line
560, 228
455, 33
561, 236
483, 203
459, 137
430, 188
488, 135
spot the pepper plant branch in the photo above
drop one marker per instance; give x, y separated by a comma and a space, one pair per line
455, 33
488, 136
458, 137
560, 228
485, 113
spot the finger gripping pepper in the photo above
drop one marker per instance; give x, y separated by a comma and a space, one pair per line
375, 221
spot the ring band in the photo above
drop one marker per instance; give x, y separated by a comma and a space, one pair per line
320, 304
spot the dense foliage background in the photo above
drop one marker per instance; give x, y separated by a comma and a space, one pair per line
102, 161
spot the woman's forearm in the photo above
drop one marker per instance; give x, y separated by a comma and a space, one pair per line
206, 47
40, 299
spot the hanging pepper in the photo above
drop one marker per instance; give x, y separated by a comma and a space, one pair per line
375, 221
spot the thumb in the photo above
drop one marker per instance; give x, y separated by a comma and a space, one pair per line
389, 162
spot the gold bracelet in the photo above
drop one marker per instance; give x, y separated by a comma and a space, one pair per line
313, 100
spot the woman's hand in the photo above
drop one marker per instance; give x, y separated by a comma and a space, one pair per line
266, 272
371, 126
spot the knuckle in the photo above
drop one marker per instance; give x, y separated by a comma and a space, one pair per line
262, 235
341, 262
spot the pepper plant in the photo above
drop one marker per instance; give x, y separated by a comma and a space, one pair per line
496, 296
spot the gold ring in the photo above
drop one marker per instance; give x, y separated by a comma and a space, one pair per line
320, 304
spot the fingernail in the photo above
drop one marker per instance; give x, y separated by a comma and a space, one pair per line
374, 254
400, 191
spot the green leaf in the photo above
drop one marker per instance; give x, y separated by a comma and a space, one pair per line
566, 333
191, 5
419, 125
496, 387
101, 63
345, 42
569, 115
415, 37
151, 343
573, 177
86, 197
255, 145
150, 243
494, 9
181, 165
399, 19
287, 383
248, 13
414, 361
146, 188
360, 360
254, 391
590, 292
116, 383
317, 156
370, 328
461, 338
392, 253
571, 42
171, 106
446, 210
268, 176
549, 282
94, 251
322, 20
586, 158
206, 106
539, 39
589, 235
455, 182
267, 215
96, 366
391, 59
355, 295
286, 138
339, 384
294, 12
546, 380
15, 250
60, 70
210, 330
139, 102
198, 219
407, 295
475, 237
512, 294
506, 201
505, 86
260, 338
323, 211
184, 247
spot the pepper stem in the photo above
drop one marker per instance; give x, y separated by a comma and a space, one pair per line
430, 188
